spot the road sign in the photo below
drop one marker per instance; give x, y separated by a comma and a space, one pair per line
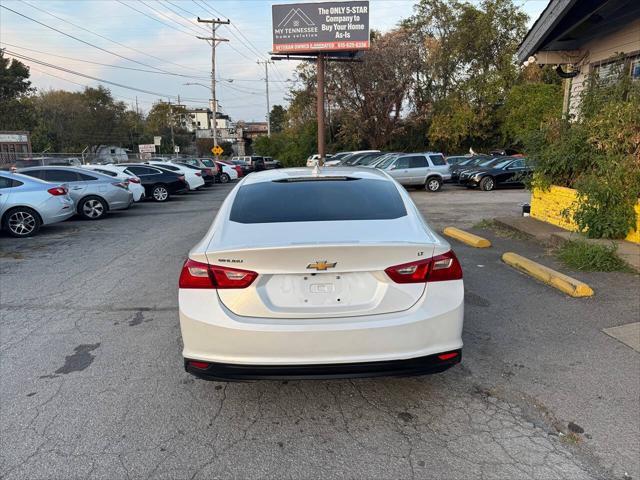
157, 141
320, 27
176, 149
217, 150
147, 148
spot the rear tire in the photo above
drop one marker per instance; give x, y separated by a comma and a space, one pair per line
21, 222
433, 184
487, 184
224, 178
160, 193
92, 208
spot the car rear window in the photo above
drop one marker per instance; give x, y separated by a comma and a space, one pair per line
317, 200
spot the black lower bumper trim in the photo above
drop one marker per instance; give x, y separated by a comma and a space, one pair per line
410, 367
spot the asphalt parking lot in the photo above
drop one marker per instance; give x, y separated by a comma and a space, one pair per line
92, 382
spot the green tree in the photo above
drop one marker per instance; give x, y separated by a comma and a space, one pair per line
467, 68
16, 110
277, 117
526, 108
159, 121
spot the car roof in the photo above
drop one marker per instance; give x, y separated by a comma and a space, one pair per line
22, 178
101, 176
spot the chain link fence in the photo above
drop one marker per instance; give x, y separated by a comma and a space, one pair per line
21, 160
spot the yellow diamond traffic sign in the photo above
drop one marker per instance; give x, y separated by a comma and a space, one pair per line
217, 150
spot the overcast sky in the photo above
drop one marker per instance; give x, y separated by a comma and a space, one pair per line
162, 35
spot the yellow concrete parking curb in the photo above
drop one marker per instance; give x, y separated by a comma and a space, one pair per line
562, 282
466, 237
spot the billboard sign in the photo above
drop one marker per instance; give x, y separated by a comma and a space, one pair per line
321, 27
146, 148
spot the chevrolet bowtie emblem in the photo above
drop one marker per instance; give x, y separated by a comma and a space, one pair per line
321, 265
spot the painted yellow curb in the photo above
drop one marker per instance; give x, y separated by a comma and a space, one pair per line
562, 282
466, 237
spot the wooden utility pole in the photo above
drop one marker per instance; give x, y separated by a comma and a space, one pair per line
320, 108
214, 42
266, 81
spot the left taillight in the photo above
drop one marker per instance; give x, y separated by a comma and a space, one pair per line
124, 184
201, 275
57, 191
437, 269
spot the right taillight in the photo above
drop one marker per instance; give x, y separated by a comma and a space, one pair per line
134, 180
437, 269
201, 275
57, 191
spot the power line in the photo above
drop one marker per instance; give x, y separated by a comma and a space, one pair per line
183, 17
190, 27
248, 44
155, 19
73, 72
103, 64
234, 36
98, 35
82, 41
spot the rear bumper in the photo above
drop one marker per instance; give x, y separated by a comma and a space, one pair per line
212, 333
409, 367
121, 200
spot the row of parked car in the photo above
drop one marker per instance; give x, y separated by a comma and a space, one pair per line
39, 195
430, 170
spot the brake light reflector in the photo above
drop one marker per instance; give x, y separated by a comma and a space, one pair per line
201, 275
437, 269
57, 191
198, 365
448, 356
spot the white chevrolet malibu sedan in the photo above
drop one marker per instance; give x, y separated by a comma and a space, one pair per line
320, 274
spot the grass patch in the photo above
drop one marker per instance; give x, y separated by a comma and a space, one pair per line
570, 438
591, 257
499, 230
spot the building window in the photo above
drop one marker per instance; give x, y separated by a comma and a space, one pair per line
635, 68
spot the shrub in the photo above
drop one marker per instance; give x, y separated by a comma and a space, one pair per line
598, 154
581, 255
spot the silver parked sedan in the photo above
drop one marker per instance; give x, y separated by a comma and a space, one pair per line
93, 193
27, 203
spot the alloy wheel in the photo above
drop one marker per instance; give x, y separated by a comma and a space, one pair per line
22, 223
433, 185
160, 194
488, 184
93, 208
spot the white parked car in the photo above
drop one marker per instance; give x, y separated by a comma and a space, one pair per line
331, 274
134, 184
192, 177
231, 173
